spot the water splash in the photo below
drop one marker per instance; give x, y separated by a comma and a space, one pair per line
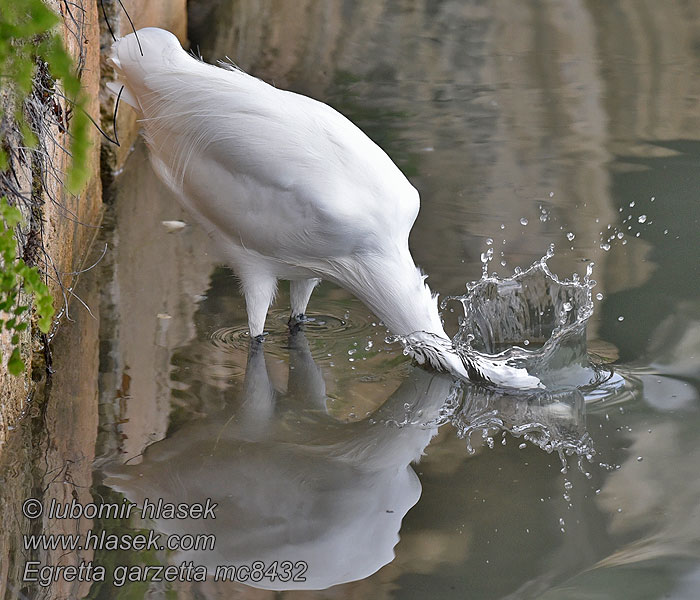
533, 320
552, 421
537, 321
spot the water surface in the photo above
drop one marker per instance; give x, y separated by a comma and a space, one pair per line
521, 124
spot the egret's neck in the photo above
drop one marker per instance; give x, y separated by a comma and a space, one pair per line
395, 289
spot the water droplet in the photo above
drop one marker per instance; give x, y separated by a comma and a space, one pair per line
605, 246
620, 318
551, 194
526, 342
570, 236
631, 204
652, 199
640, 458
522, 446
523, 221
599, 296
503, 225
642, 218
489, 241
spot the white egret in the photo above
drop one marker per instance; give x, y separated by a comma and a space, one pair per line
289, 189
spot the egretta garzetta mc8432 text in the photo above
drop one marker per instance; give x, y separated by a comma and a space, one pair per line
289, 189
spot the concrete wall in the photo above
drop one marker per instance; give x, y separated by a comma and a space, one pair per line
66, 224
51, 457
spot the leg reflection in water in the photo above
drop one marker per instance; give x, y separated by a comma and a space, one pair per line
293, 483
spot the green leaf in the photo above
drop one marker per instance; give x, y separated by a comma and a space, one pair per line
78, 173
31, 279
45, 324
15, 364
29, 137
10, 214
23, 72
42, 18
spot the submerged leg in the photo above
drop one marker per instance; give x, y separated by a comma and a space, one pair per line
259, 291
300, 292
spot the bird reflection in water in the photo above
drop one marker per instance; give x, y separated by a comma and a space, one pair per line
293, 483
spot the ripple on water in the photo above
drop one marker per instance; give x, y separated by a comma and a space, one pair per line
342, 340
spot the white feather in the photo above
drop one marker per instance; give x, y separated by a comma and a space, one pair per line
288, 187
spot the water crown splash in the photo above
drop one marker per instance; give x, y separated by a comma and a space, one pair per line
533, 320
536, 321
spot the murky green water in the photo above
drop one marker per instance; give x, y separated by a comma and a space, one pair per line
522, 124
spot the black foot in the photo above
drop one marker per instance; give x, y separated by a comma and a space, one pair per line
296, 321
259, 339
